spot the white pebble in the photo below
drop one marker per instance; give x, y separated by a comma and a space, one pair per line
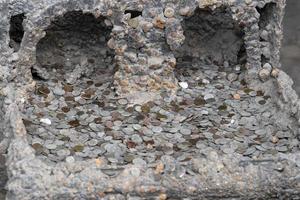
184, 85
205, 81
45, 121
204, 112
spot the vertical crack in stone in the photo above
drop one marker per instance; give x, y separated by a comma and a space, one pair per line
267, 29
16, 31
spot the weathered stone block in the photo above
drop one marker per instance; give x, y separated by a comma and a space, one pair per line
146, 100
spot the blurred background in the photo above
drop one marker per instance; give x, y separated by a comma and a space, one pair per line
290, 52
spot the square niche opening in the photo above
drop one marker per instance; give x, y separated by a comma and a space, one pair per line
76, 45
212, 37
224, 112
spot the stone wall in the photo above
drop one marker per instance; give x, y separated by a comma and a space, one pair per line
237, 97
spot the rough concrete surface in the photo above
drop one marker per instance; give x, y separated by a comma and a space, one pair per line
116, 99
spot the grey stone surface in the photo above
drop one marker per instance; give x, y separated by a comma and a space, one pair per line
228, 132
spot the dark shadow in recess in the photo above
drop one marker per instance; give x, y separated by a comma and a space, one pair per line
16, 31
76, 38
266, 24
134, 13
212, 38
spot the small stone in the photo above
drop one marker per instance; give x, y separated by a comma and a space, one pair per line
205, 81
275, 72
204, 112
237, 68
159, 22
183, 85
264, 74
107, 22
155, 62
184, 11
267, 66
45, 121
275, 139
248, 1
163, 196
169, 12
264, 35
236, 96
